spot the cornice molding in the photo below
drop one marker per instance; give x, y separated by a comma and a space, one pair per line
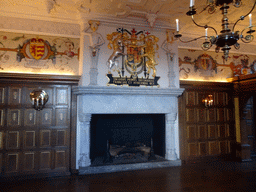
25, 77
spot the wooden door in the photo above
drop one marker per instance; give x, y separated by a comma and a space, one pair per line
31, 141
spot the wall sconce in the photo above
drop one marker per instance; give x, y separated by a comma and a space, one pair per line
38, 98
208, 101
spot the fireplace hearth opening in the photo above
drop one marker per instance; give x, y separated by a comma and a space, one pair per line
127, 138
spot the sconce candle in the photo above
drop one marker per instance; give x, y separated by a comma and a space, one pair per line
177, 24
208, 101
206, 33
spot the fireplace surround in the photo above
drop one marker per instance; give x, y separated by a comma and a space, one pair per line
126, 100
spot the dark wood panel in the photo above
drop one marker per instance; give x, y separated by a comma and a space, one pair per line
45, 138
12, 162
62, 117
201, 115
191, 132
214, 148
202, 149
14, 97
211, 116
47, 116
62, 96
30, 139
30, 117
1, 140
190, 115
202, 132
223, 147
2, 95
2, 116
29, 161
61, 138
13, 140
212, 132
60, 159
192, 149
221, 116
14, 117
45, 160
1, 163
190, 98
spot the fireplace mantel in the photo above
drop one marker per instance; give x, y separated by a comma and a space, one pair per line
150, 91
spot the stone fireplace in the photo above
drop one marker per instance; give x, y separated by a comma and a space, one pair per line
96, 100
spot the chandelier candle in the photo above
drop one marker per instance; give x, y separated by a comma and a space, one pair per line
177, 25
192, 3
250, 19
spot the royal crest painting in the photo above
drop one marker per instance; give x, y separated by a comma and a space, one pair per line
134, 53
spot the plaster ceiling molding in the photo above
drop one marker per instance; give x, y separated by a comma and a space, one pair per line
151, 18
50, 5
125, 10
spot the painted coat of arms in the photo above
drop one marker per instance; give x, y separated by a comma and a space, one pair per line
135, 53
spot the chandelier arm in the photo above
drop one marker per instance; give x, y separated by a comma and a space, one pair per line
242, 39
244, 30
242, 17
192, 39
204, 26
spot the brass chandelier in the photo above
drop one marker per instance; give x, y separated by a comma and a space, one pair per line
227, 37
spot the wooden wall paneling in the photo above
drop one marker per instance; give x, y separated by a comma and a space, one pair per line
1, 140
62, 96
191, 132
223, 147
12, 162
29, 139
1, 163
213, 135
14, 117
14, 96
30, 117
62, 117
60, 159
212, 132
35, 142
214, 148
45, 160
221, 115
29, 161
190, 115
2, 95
202, 132
47, 117
13, 140
201, 115
73, 133
192, 149
61, 138
45, 138
211, 115
202, 149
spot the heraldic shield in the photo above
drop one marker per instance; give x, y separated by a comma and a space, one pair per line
136, 51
